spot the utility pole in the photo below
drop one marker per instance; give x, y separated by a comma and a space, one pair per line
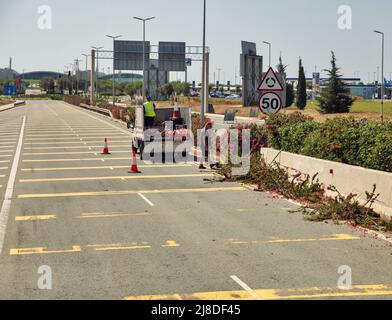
114, 90
382, 74
144, 53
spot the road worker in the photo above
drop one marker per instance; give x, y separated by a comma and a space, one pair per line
149, 113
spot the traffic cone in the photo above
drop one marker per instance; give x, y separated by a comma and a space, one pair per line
134, 168
106, 147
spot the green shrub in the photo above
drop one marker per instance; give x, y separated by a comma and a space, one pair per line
276, 122
362, 143
293, 137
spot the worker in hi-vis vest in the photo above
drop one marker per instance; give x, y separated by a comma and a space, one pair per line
149, 113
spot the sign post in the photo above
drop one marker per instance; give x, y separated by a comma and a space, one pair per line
271, 90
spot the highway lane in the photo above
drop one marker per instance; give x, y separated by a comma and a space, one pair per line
166, 233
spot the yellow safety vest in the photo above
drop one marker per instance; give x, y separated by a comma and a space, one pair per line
149, 110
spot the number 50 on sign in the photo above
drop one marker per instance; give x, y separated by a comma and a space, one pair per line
270, 103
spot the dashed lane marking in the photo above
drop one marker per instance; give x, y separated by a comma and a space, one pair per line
335, 237
96, 247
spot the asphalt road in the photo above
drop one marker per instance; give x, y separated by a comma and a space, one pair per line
163, 234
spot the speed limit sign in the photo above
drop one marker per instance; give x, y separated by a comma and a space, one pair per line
270, 103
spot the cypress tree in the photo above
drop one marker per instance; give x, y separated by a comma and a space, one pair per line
336, 97
301, 88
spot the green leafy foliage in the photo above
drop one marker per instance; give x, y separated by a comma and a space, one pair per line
361, 143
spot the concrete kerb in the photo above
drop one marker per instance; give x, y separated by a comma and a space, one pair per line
12, 105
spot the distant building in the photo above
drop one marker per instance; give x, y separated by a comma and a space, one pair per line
38, 75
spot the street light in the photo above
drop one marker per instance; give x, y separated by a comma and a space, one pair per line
269, 45
114, 39
97, 75
382, 75
144, 53
86, 80
203, 78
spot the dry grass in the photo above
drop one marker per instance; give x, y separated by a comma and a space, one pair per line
4, 102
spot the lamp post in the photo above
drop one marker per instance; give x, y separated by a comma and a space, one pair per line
269, 45
114, 90
97, 75
382, 74
86, 83
144, 53
203, 78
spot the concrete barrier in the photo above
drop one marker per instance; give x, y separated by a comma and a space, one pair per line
19, 103
347, 179
96, 109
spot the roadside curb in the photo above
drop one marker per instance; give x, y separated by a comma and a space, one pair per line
12, 105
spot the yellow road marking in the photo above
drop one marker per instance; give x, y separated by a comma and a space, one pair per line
170, 244
335, 237
117, 247
70, 134
108, 167
277, 294
112, 215
76, 147
126, 192
74, 138
71, 142
32, 251
176, 176
35, 218
76, 160
72, 153
78, 248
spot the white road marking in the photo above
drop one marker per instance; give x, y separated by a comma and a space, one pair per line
103, 121
3, 168
5, 209
244, 286
145, 199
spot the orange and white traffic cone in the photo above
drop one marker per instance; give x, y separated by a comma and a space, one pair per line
106, 147
134, 168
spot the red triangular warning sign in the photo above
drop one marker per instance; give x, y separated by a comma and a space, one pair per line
270, 82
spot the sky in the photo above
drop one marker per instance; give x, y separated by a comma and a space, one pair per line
301, 28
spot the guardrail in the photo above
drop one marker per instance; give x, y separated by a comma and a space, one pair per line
96, 109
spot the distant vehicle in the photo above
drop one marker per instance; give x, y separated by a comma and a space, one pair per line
233, 96
194, 94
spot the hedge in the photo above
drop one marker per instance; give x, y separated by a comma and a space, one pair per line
361, 143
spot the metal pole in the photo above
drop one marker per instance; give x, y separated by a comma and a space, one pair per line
382, 74
382, 80
92, 78
203, 93
144, 61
